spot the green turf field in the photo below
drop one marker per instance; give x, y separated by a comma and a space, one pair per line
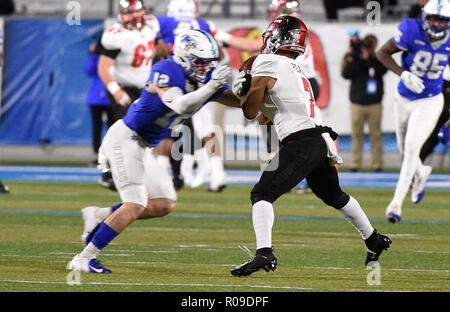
186, 254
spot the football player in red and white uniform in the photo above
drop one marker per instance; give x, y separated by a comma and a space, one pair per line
305, 60
127, 50
282, 93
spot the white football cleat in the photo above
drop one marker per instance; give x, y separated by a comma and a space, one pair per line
86, 265
218, 179
186, 168
418, 186
90, 221
394, 212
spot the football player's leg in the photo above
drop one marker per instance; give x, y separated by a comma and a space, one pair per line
402, 111
433, 139
421, 123
401, 116
289, 166
283, 173
374, 119
357, 135
201, 155
324, 182
159, 187
125, 159
92, 217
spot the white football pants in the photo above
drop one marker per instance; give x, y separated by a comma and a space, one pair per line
415, 120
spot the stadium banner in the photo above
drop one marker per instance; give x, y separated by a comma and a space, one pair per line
46, 95
2, 27
44, 98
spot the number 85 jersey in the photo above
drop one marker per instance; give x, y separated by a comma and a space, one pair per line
132, 51
421, 57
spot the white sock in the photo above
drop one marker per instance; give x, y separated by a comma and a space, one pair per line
263, 218
103, 213
90, 251
356, 216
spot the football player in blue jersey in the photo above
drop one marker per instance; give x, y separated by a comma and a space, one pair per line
176, 89
425, 47
182, 15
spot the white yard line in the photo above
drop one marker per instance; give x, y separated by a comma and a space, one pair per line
159, 284
224, 265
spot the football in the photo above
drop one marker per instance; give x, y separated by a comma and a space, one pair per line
246, 67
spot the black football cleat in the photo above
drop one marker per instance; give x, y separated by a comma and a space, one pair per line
4, 189
178, 182
262, 260
375, 244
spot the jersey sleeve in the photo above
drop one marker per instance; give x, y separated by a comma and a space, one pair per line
208, 26
111, 42
167, 74
152, 22
263, 66
401, 35
112, 38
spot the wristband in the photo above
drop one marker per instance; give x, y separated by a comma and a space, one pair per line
223, 36
113, 87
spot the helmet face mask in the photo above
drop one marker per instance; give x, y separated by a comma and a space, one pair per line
286, 33
196, 52
436, 19
132, 14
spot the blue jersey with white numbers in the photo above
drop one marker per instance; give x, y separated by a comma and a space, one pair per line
421, 57
171, 27
148, 116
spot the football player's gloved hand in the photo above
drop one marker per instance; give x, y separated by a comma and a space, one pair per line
237, 86
444, 135
412, 82
220, 76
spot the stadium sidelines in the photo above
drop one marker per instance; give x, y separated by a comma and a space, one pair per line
235, 177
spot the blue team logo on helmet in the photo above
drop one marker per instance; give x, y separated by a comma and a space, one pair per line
196, 52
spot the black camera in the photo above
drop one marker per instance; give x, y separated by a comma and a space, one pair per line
355, 42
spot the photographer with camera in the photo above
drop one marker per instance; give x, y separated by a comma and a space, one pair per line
361, 66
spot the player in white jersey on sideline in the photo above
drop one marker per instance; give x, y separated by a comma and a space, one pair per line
425, 47
282, 93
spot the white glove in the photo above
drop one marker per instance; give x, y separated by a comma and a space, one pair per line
412, 82
220, 76
236, 88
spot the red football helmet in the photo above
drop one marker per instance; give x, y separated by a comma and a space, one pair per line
132, 13
286, 33
283, 7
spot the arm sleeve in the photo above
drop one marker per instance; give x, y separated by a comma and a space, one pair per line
111, 42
